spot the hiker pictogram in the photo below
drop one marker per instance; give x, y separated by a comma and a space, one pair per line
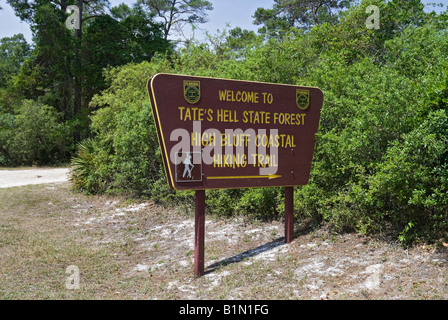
186, 170
188, 166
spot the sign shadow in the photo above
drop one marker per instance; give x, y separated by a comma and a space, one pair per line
247, 254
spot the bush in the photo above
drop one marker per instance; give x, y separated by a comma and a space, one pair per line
224, 202
123, 156
410, 189
35, 136
260, 203
6, 124
84, 175
380, 159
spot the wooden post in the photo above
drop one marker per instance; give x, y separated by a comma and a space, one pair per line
199, 233
289, 214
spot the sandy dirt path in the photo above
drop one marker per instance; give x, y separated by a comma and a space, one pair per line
17, 178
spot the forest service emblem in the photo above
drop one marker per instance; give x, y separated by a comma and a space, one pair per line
192, 91
303, 99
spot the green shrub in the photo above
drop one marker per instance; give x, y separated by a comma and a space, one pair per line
124, 156
224, 202
260, 203
85, 175
35, 136
410, 189
6, 124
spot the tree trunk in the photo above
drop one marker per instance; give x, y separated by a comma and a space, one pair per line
78, 72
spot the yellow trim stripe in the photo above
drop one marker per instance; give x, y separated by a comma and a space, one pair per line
270, 177
235, 80
161, 132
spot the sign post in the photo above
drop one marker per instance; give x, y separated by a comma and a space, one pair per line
225, 134
199, 233
289, 214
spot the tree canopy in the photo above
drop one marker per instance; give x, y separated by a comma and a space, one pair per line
176, 13
13, 52
303, 14
65, 68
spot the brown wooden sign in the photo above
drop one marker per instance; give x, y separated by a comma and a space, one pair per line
220, 134
217, 134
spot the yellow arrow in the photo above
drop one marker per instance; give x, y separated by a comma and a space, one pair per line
270, 177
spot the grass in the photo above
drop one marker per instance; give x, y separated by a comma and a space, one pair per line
38, 243
40, 238
44, 230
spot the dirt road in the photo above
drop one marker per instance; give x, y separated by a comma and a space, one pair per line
17, 178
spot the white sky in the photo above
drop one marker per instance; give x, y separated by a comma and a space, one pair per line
236, 12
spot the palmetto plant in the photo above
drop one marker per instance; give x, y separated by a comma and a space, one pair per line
83, 165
